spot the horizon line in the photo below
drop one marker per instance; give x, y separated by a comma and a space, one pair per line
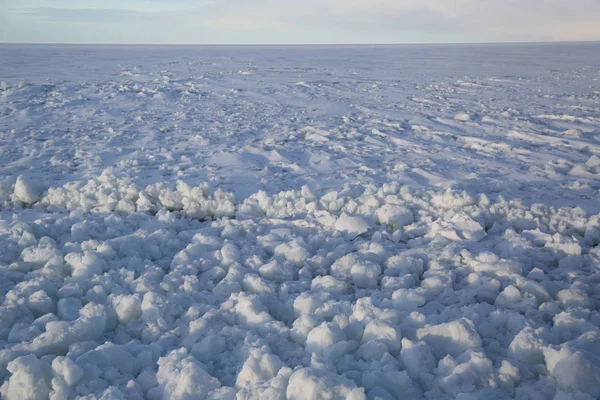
294, 44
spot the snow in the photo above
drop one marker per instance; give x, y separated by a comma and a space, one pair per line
30, 379
356, 222
453, 338
463, 117
352, 226
26, 191
382, 332
309, 383
181, 377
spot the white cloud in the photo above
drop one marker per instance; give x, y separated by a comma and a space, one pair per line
327, 21
479, 20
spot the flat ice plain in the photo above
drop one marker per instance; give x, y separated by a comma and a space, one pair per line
380, 222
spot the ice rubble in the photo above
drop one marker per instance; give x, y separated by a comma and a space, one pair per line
110, 290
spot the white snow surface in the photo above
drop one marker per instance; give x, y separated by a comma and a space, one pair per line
353, 222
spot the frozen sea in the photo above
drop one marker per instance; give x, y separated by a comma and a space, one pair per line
301, 222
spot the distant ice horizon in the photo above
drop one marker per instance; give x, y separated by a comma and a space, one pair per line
283, 44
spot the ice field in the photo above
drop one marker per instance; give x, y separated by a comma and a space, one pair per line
351, 222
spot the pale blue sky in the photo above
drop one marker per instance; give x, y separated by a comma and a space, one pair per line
300, 21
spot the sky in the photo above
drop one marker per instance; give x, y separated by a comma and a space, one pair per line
298, 21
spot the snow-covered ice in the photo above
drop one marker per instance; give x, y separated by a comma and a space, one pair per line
354, 222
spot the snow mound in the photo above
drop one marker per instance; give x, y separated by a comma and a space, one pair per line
463, 117
26, 190
453, 338
308, 384
417, 292
352, 226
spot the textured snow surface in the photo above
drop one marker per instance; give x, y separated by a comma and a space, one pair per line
300, 223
